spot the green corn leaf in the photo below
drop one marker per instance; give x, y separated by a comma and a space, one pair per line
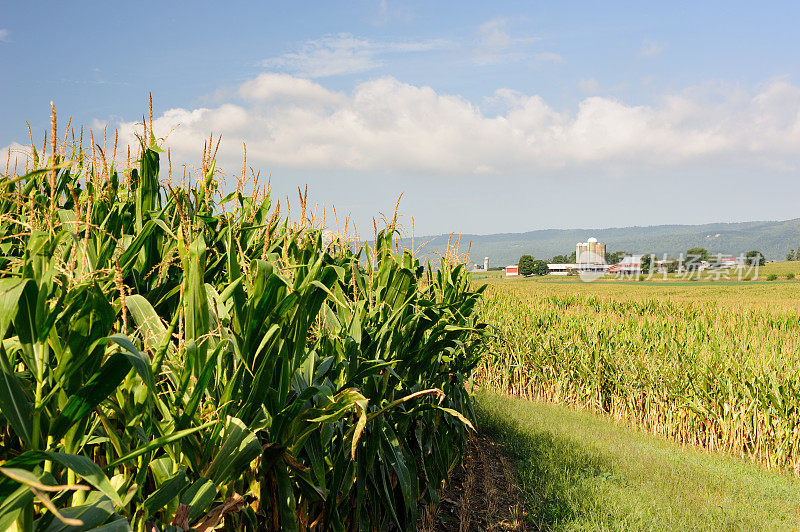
196, 305
170, 489
13, 402
239, 448
12, 504
198, 496
26, 327
93, 514
117, 524
388, 498
157, 443
151, 327
80, 465
10, 292
101, 384
200, 388
286, 499
129, 256
139, 363
38, 172
392, 454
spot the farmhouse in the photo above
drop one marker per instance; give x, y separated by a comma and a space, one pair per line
631, 264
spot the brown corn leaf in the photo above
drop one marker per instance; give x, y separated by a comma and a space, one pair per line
232, 504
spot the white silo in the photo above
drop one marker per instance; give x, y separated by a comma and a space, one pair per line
590, 252
592, 248
581, 252
486, 264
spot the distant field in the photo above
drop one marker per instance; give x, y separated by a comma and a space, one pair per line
780, 268
750, 294
758, 291
712, 364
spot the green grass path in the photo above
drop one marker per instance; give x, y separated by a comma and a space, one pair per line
581, 471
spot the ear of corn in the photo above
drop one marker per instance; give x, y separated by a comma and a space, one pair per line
172, 356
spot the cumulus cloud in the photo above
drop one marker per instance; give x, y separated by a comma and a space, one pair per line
652, 48
271, 87
387, 126
343, 53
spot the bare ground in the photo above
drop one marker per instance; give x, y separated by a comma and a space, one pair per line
482, 494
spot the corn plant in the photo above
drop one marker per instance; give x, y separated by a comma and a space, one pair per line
173, 359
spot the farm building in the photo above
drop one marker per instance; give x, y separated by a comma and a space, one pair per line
512, 270
723, 262
566, 269
663, 266
631, 264
590, 252
477, 267
590, 257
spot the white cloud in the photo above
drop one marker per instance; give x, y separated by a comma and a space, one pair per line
548, 57
5, 35
589, 85
387, 126
385, 13
652, 48
271, 87
343, 54
496, 45
16, 156
494, 34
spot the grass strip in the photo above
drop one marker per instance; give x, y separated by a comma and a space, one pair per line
580, 471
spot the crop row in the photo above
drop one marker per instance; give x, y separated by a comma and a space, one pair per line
175, 359
724, 378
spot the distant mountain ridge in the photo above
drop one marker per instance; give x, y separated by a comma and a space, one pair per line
773, 238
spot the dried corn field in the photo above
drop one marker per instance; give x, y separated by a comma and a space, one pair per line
716, 372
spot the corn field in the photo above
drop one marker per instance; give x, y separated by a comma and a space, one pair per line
722, 377
176, 359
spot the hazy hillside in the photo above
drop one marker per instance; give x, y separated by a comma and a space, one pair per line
774, 239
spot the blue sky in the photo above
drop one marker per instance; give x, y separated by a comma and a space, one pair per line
490, 117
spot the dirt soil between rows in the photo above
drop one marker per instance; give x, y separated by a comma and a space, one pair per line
482, 494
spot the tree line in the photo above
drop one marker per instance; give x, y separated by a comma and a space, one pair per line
529, 265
